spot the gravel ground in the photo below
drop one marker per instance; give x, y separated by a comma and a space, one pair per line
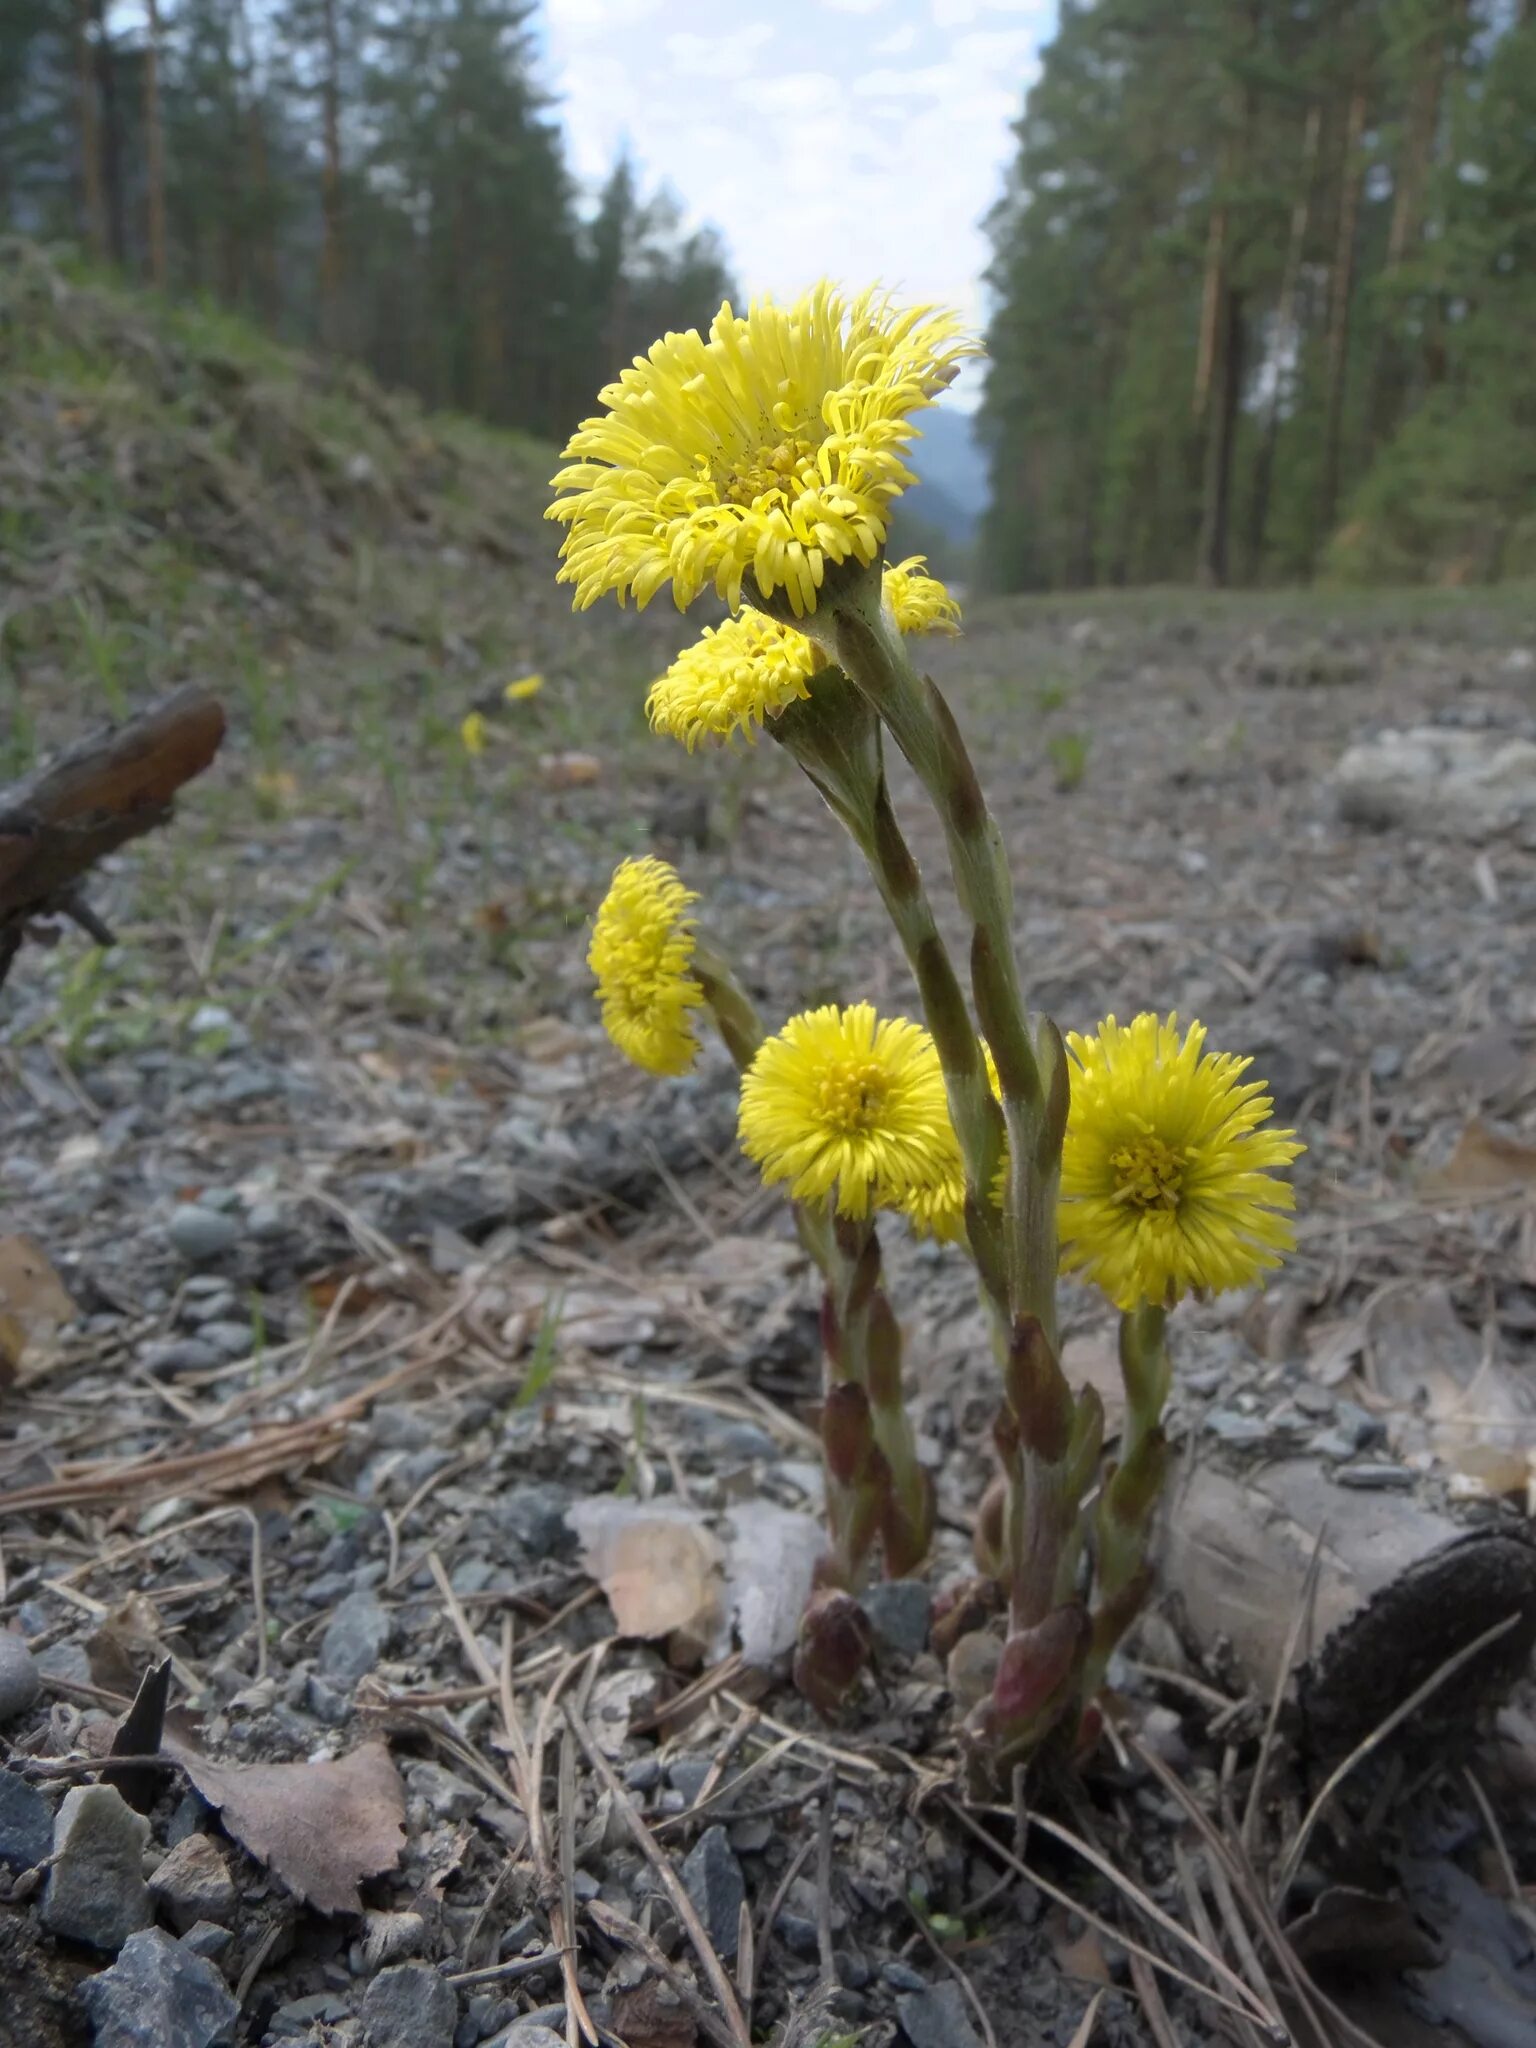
380, 1271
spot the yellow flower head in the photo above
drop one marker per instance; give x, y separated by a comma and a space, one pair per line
775, 446
743, 673
642, 943
524, 687
472, 733
1167, 1181
731, 680
846, 1100
919, 602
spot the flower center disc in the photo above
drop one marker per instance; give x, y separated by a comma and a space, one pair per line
1149, 1173
774, 474
852, 1096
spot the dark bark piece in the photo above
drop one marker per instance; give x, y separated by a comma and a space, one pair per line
1403, 1585
138, 1734
111, 787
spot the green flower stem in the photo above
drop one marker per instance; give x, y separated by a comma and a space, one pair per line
1128, 1501
874, 1487
1032, 1076
872, 1338
835, 738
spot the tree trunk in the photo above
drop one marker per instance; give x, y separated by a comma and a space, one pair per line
263, 235
1213, 299
154, 149
330, 251
111, 127
1285, 346
1389, 373
90, 133
1212, 563
1341, 285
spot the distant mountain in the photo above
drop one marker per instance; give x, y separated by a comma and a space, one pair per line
951, 468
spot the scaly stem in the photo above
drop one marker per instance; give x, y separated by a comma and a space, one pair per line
1128, 1500
835, 738
1032, 1075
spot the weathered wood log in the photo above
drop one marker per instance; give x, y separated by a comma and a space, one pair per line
1403, 1585
108, 788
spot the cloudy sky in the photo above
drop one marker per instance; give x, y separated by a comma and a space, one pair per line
862, 138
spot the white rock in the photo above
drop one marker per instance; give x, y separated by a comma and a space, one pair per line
1441, 781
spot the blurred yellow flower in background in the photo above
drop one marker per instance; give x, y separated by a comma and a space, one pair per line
524, 687
472, 733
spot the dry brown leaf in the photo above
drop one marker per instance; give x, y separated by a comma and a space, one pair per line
651, 2016
569, 770
128, 1639
1484, 1162
320, 1827
658, 1563
34, 1305
1082, 1955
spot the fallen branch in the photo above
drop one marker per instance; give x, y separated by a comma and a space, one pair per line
112, 786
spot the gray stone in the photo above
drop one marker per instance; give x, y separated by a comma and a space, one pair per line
529, 2034
1232, 1428
409, 2006
20, 1680
198, 1233
169, 1357
230, 1339
715, 1884
193, 1883
936, 2017
266, 1222
1467, 785
447, 1797
898, 1612
323, 2009
686, 1774
354, 1639
159, 1994
26, 1824
902, 1976
96, 1891
535, 1515
205, 1939
644, 1774
1374, 1478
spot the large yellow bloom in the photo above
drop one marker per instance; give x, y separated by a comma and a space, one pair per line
642, 943
739, 675
936, 1207
1167, 1181
848, 1101
775, 446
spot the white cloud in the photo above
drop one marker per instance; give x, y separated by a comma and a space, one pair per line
719, 56
850, 139
586, 17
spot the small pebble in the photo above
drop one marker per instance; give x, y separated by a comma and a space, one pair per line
409, 2006
20, 1679
96, 1891
199, 1234
26, 1824
715, 1884
169, 1357
936, 2017
354, 1639
1374, 1478
902, 1977
159, 1994
899, 1612
193, 1883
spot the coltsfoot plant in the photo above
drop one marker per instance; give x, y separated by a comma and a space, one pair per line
763, 463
